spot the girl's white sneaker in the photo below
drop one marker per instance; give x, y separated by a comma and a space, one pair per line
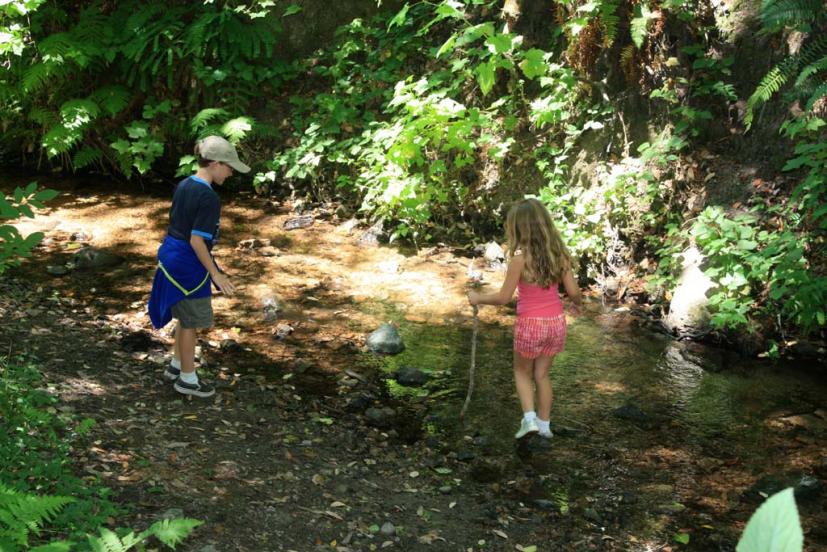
526, 427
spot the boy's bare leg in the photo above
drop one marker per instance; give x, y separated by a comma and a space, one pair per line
522, 379
176, 352
545, 392
185, 347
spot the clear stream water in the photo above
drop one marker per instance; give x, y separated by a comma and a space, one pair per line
707, 437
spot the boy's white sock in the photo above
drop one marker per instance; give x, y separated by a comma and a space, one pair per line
543, 425
175, 363
189, 377
530, 415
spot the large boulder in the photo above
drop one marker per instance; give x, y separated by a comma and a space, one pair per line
687, 311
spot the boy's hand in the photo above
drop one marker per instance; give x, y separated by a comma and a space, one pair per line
224, 284
474, 298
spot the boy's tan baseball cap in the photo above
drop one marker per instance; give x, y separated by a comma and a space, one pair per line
216, 148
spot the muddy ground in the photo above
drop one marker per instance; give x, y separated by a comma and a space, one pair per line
284, 456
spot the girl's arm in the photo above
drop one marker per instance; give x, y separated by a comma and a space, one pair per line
572, 291
512, 277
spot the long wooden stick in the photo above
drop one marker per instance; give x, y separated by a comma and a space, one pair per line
473, 365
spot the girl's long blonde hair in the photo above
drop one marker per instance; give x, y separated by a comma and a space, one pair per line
529, 228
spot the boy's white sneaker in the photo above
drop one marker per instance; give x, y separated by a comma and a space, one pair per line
526, 427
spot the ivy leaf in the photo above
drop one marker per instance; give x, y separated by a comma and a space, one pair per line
399, 18
533, 65
500, 42
292, 9
774, 526
485, 76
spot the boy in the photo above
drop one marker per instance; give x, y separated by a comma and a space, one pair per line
181, 288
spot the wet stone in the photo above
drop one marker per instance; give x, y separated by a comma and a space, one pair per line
592, 515
630, 412
411, 377
547, 505
486, 471
386, 340
380, 417
445, 489
57, 270
388, 529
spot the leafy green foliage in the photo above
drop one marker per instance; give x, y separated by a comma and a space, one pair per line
35, 446
774, 526
22, 514
13, 246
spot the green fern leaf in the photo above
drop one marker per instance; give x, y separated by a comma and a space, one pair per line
778, 14
37, 75
86, 157
610, 21
811, 70
42, 116
203, 117
640, 23
113, 99
819, 93
108, 541
236, 129
57, 546
173, 531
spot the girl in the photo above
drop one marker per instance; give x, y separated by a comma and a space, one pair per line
538, 263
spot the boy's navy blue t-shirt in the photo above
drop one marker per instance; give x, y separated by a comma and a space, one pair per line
196, 209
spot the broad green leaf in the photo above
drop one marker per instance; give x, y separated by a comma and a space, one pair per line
501, 43
774, 527
485, 76
533, 64
292, 9
399, 18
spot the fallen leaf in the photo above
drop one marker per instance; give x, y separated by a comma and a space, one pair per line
500, 534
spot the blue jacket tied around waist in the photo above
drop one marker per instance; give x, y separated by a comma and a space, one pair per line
180, 275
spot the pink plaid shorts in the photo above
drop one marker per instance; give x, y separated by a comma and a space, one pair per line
534, 337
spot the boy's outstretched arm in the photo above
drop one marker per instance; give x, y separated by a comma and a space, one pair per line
512, 277
203, 254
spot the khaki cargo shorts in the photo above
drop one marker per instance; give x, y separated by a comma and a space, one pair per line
194, 313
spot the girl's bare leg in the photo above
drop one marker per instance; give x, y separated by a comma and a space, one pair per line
523, 381
544, 389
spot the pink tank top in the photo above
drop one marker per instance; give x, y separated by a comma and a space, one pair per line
536, 302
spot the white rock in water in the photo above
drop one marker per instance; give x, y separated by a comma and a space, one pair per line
687, 310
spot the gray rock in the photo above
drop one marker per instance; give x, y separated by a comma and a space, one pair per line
302, 221
411, 377
547, 505
90, 258
57, 270
380, 417
388, 529
446, 489
806, 487
386, 340
373, 234
494, 255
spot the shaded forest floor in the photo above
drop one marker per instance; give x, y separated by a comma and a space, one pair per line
283, 457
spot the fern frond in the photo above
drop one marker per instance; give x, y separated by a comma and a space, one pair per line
42, 116
108, 541
113, 99
781, 73
626, 54
819, 93
37, 75
57, 46
811, 70
173, 531
777, 14
23, 514
86, 156
203, 117
236, 129
610, 21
